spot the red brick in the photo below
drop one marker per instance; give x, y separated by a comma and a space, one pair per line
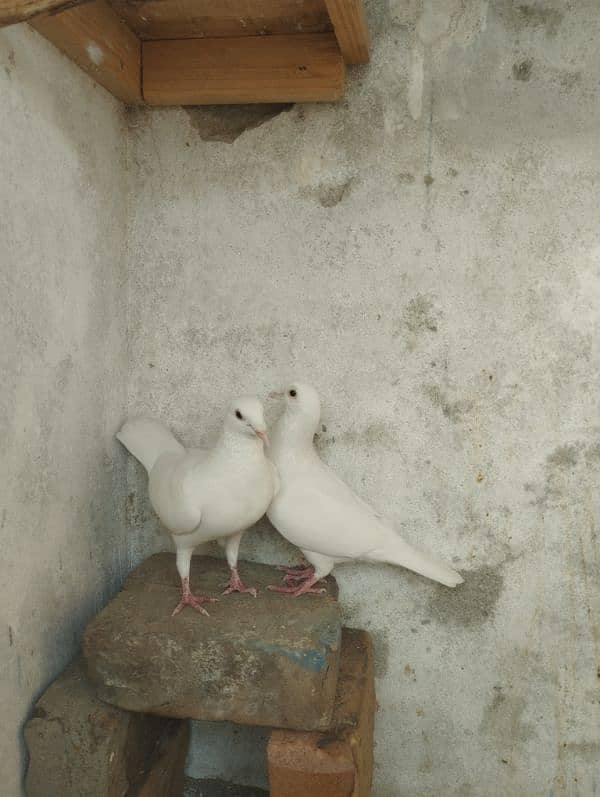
339, 762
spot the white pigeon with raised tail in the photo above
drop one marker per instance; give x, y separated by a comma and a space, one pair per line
317, 512
202, 496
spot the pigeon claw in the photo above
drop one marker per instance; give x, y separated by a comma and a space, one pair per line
250, 590
235, 584
195, 601
294, 568
296, 573
305, 588
291, 580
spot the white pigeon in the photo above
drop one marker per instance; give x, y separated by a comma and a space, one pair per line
207, 495
317, 512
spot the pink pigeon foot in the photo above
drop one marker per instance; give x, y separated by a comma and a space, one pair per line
297, 575
295, 581
292, 570
299, 589
235, 584
189, 599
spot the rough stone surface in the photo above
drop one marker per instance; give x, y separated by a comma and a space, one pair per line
81, 747
271, 661
338, 763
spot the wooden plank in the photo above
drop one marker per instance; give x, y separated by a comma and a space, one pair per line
350, 26
95, 38
12, 11
299, 68
193, 19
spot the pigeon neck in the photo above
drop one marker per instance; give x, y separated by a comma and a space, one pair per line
234, 441
295, 431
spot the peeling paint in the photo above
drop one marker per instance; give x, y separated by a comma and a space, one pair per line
226, 123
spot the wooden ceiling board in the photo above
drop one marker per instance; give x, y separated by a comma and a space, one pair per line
93, 36
190, 19
305, 67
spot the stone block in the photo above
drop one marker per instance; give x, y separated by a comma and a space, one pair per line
270, 661
81, 747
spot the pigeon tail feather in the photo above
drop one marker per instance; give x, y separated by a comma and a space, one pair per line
398, 552
147, 440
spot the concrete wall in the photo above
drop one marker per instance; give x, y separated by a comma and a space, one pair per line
426, 254
64, 368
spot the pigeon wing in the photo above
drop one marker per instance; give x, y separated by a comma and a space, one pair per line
175, 488
318, 512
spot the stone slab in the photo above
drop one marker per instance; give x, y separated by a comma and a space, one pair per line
270, 661
81, 747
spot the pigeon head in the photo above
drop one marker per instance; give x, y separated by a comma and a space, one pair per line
301, 404
246, 417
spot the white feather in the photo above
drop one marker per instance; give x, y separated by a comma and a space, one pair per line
207, 494
319, 513
147, 440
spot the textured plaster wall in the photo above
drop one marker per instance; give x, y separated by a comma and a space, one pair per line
427, 254
64, 369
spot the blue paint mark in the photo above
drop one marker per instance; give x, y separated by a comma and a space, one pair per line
312, 660
330, 636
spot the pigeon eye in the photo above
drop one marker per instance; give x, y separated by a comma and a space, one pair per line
293, 393
239, 415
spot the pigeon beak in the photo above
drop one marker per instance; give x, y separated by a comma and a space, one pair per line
276, 394
263, 436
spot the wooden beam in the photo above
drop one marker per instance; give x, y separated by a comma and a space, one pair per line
350, 26
195, 19
12, 11
296, 68
95, 38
